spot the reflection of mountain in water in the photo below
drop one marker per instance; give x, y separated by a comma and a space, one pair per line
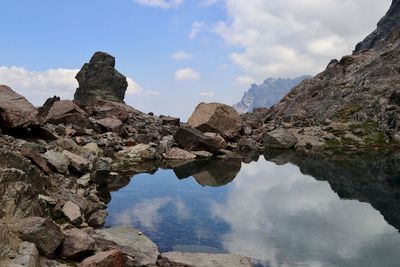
373, 178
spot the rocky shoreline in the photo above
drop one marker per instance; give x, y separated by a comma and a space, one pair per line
59, 162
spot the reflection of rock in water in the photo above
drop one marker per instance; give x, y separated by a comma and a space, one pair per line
210, 172
373, 178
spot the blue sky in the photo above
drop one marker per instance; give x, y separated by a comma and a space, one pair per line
220, 46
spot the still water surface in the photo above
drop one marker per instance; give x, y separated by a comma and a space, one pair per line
271, 210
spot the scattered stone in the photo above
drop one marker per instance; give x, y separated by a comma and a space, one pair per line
27, 256
98, 218
218, 138
67, 112
99, 79
206, 260
176, 153
193, 140
72, 212
101, 170
202, 154
279, 138
15, 110
166, 143
45, 234
170, 121
215, 117
138, 152
77, 245
111, 258
139, 250
57, 160
111, 124
78, 163
36, 158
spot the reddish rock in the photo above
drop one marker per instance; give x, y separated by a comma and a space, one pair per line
112, 258
77, 245
193, 140
15, 110
98, 218
37, 159
67, 112
110, 124
45, 234
215, 117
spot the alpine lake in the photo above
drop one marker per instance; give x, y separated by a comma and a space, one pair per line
280, 208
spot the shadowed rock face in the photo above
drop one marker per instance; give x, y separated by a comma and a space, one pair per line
373, 178
389, 23
99, 80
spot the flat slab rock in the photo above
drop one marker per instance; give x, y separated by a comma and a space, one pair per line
206, 260
138, 248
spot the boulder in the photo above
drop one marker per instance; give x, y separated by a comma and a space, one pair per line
138, 249
78, 163
99, 80
44, 110
111, 258
206, 260
138, 152
215, 117
45, 234
279, 138
72, 212
15, 110
110, 124
166, 120
27, 256
98, 218
67, 112
101, 109
101, 170
176, 153
57, 160
218, 138
77, 245
192, 139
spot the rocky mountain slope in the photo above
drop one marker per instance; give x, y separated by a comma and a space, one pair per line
362, 88
266, 94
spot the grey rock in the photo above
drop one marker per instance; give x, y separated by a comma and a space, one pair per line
138, 249
27, 256
279, 138
99, 80
57, 160
101, 170
45, 234
207, 260
98, 218
78, 163
176, 153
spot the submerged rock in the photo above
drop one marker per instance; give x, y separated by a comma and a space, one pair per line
206, 260
138, 249
215, 117
99, 79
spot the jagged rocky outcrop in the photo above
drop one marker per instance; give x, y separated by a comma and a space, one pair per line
99, 80
362, 88
387, 25
266, 94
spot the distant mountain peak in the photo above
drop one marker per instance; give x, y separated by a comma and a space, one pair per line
271, 91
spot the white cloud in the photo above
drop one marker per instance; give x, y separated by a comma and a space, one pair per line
207, 94
295, 37
181, 55
186, 74
245, 80
197, 27
160, 3
37, 86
